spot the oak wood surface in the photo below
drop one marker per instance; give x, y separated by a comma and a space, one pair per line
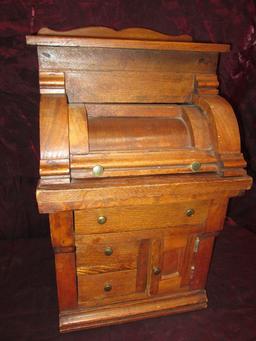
129, 87
123, 192
126, 43
101, 59
135, 239
107, 32
134, 133
78, 129
140, 217
132, 311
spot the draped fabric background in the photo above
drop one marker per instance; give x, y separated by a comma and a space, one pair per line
220, 21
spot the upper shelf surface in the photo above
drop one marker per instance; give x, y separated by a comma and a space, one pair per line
131, 38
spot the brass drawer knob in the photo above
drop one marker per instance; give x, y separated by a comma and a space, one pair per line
107, 287
156, 270
102, 219
97, 170
190, 212
195, 166
108, 251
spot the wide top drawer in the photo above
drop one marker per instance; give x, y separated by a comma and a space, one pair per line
126, 218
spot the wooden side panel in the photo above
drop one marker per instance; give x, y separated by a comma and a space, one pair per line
66, 280
216, 214
61, 228
129, 87
54, 139
228, 137
62, 235
201, 262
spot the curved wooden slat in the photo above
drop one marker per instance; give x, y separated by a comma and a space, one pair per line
107, 32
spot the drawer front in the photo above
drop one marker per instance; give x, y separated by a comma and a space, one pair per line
107, 252
127, 218
106, 288
111, 267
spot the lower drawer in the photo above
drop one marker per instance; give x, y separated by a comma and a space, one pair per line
106, 288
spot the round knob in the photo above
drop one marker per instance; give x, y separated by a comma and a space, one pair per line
97, 170
190, 212
195, 166
156, 270
108, 251
101, 219
107, 287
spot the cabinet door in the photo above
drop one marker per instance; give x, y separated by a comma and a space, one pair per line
171, 263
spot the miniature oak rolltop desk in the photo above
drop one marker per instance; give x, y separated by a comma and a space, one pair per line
139, 157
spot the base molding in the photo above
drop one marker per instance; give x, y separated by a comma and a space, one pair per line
85, 318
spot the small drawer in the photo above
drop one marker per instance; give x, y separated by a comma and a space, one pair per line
106, 253
128, 218
108, 287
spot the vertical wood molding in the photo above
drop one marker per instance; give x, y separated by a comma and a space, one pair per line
62, 235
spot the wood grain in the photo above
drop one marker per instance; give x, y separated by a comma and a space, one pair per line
134, 110
140, 217
101, 59
156, 190
144, 106
107, 32
54, 141
137, 133
224, 120
129, 87
202, 262
52, 82
126, 43
78, 129
132, 311
91, 287
66, 280
62, 231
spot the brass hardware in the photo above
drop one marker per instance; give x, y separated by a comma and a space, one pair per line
196, 245
195, 166
108, 251
97, 170
156, 270
101, 219
107, 287
193, 267
190, 212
